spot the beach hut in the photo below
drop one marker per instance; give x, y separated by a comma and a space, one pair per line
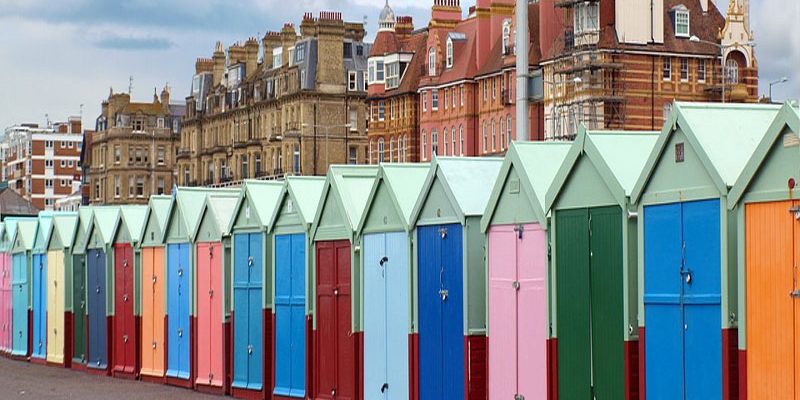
517, 231
386, 249
338, 338
22, 245
451, 277
39, 288
292, 271
181, 226
125, 339
594, 262
99, 272
768, 236
59, 279
213, 267
5, 291
687, 256
251, 283
153, 289
78, 279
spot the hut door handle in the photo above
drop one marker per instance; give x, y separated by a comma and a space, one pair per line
444, 293
336, 292
519, 397
83, 303
125, 338
515, 285
124, 263
180, 332
211, 293
154, 344
125, 298
688, 277
333, 392
384, 388
97, 289
155, 279
443, 233
180, 271
250, 261
249, 349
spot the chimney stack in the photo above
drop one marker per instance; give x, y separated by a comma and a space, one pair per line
251, 56
219, 63
270, 41
404, 26
308, 28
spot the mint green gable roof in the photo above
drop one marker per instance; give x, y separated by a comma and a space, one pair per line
352, 185
43, 232
81, 237
133, 219
188, 207
25, 234
306, 192
404, 182
157, 212
468, 182
264, 197
105, 221
219, 210
537, 164
10, 233
788, 117
723, 135
62, 233
618, 156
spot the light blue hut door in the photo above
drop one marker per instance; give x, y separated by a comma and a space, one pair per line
290, 318
178, 301
39, 306
386, 316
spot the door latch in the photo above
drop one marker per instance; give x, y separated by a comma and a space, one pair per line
383, 261
384, 388
443, 233
211, 293
125, 338
519, 397
125, 298
250, 261
97, 290
519, 229
249, 349
688, 277
180, 332
155, 279
125, 263
333, 392
336, 292
154, 344
443, 293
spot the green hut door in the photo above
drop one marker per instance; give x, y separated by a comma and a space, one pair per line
589, 303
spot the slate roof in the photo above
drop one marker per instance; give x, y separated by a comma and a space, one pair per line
12, 203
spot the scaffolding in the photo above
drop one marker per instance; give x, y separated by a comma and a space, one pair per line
588, 83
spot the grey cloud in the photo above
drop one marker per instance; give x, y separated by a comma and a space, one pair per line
132, 43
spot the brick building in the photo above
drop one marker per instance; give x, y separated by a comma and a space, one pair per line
133, 149
42, 163
395, 67
619, 64
295, 112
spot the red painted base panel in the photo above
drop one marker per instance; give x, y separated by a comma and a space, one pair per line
38, 361
184, 383
78, 366
215, 390
227, 356
730, 364
632, 370
552, 369
475, 357
309, 356
742, 374
267, 325
413, 366
247, 394
68, 340
152, 379
642, 372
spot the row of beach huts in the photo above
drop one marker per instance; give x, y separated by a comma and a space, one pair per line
622, 265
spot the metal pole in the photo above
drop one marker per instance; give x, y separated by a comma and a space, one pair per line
724, 77
521, 47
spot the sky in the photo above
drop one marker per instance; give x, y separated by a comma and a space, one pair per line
61, 57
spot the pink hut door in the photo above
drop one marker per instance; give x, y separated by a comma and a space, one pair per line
517, 312
209, 314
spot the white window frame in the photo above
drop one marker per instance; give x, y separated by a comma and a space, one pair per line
434, 142
682, 23
684, 69
449, 57
424, 146
352, 81
506, 36
701, 70
432, 62
435, 99
666, 68
461, 140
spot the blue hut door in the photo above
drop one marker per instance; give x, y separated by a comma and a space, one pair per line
178, 301
96, 278
441, 312
247, 324
386, 305
290, 318
683, 341
19, 281
39, 306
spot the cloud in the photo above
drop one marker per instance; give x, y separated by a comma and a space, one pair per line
116, 42
777, 45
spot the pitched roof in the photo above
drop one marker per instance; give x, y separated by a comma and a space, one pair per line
414, 43
788, 117
26, 231
265, 196
158, 210
306, 191
725, 136
464, 55
468, 181
44, 230
190, 202
537, 164
352, 183
12, 203
105, 220
386, 42
223, 210
134, 217
65, 226
404, 182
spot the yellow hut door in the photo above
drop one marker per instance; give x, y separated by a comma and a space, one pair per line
55, 307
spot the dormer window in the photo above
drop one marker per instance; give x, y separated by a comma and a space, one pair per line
506, 37
682, 22
432, 62
449, 53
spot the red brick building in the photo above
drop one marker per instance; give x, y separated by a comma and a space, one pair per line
42, 163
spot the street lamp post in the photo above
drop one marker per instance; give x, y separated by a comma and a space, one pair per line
776, 82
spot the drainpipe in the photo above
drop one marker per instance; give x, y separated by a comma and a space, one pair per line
523, 125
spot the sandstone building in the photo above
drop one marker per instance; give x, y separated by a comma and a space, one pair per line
133, 149
297, 110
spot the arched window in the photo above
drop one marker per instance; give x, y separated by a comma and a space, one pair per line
446, 141
461, 140
732, 71
381, 148
434, 142
506, 37
453, 138
494, 136
371, 150
424, 146
485, 136
502, 134
432, 62
449, 53
509, 125
391, 149
400, 148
